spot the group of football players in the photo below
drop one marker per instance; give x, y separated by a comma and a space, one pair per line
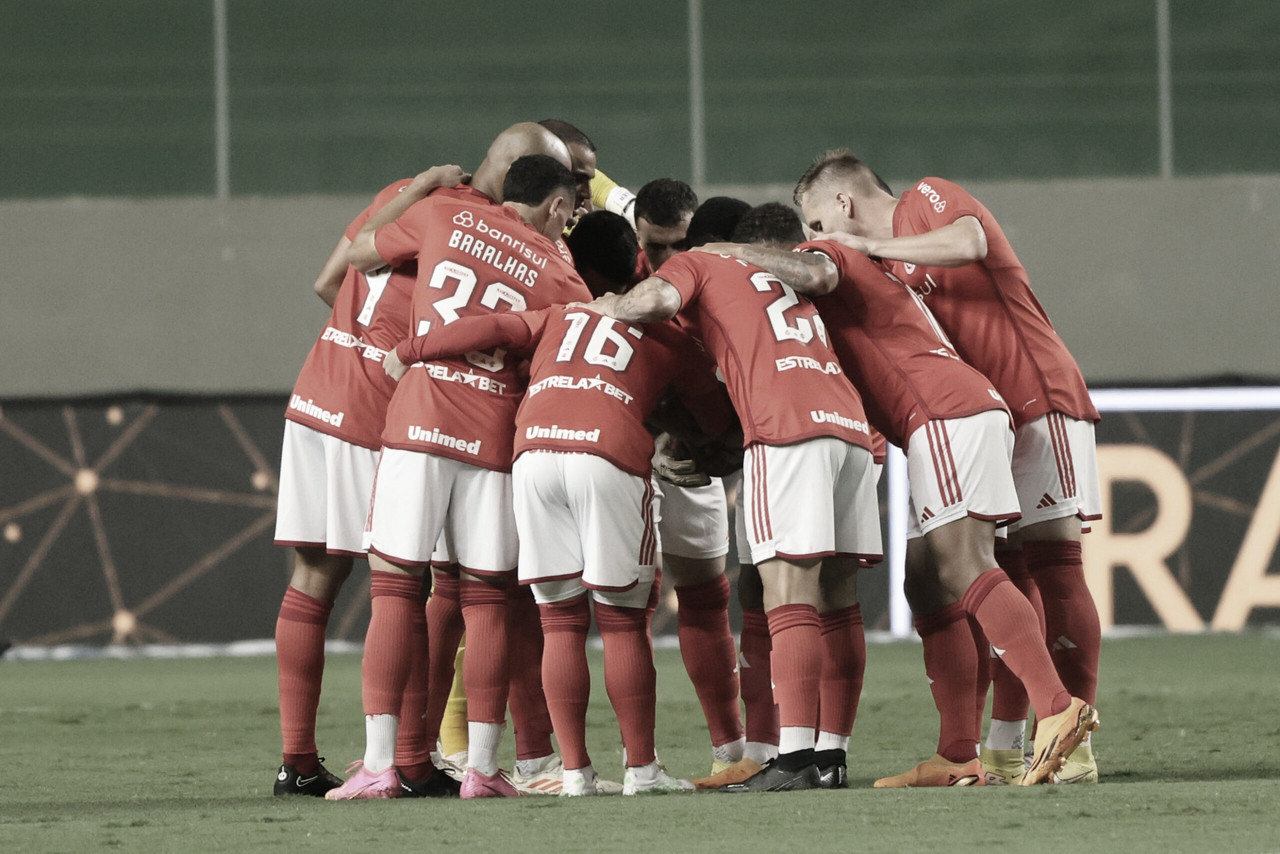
537, 391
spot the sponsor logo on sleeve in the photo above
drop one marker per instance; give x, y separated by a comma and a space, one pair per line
939, 203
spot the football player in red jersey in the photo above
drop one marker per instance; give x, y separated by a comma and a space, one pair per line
949, 248
333, 429
584, 505
811, 511
446, 447
952, 424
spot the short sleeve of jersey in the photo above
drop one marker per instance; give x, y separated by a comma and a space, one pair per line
850, 263
401, 240
384, 196
933, 203
682, 274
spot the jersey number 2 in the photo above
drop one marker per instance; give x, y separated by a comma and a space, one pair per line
784, 330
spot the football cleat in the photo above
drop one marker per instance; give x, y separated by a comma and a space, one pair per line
315, 784
578, 783
652, 779
543, 777
833, 777
732, 773
364, 784
477, 785
1080, 767
936, 772
1057, 737
437, 785
1002, 767
455, 764
773, 778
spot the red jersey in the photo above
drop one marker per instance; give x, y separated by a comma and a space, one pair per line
988, 309
342, 389
474, 257
772, 349
593, 379
894, 351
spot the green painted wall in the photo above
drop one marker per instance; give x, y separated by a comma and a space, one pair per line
118, 98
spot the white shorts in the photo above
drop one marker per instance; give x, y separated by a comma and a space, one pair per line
959, 467
419, 497
811, 499
1055, 470
441, 555
583, 519
325, 484
693, 522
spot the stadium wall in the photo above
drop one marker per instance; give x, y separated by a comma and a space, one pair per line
1147, 280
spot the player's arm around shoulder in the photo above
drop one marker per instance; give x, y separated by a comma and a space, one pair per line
334, 271
516, 331
804, 272
956, 244
652, 300
363, 254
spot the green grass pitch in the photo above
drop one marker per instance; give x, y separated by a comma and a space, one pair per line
179, 755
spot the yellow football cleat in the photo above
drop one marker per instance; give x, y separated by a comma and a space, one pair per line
1002, 767
936, 772
728, 773
1057, 737
1080, 767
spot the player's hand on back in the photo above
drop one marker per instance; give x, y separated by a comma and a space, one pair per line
450, 175
717, 248
853, 241
604, 304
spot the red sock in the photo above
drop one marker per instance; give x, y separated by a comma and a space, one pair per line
1010, 624
756, 677
796, 663
300, 630
629, 677
485, 673
706, 645
1072, 628
1009, 699
530, 718
384, 670
444, 633
655, 597
413, 750
566, 677
951, 663
844, 660
984, 665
